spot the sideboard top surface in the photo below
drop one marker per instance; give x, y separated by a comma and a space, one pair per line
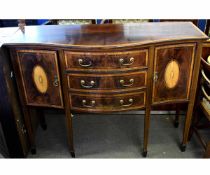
104, 35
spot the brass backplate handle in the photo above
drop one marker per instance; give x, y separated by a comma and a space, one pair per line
122, 62
122, 82
126, 105
84, 65
82, 83
92, 102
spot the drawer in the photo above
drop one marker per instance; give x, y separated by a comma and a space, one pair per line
107, 103
100, 82
106, 60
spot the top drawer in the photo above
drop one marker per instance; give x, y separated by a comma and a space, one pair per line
106, 60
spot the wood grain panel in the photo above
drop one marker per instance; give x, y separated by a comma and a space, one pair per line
106, 61
107, 82
103, 35
184, 55
27, 60
107, 103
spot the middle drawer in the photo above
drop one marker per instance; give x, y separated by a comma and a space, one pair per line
113, 82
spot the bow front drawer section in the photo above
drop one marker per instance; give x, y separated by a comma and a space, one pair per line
107, 103
94, 82
106, 60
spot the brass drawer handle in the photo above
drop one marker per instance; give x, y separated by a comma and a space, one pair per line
84, 65
93, 102
121, 61
82, 82
122, 82
56, 82
126, 105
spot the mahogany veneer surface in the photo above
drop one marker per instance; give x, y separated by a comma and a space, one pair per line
106, 68
102, 35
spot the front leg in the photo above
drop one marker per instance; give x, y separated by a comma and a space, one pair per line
177, 117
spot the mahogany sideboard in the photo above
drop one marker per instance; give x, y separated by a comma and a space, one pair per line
105, 68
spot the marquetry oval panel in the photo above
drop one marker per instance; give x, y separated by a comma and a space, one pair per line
171, 75
40, 79
173, 66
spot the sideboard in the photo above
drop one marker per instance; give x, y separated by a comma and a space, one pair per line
105, 68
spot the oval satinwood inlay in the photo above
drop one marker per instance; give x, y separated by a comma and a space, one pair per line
171, 75
40, 79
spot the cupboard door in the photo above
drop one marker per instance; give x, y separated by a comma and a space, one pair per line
40, 77
172, 72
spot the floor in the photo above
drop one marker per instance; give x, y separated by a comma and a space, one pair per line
113, 136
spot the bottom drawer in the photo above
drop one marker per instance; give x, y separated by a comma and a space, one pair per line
107, 103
